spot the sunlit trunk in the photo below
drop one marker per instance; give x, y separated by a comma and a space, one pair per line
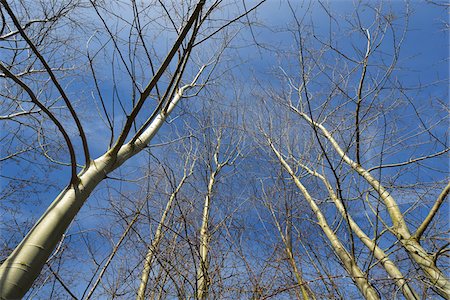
154, 247
21, 268
379, 254
400, 228
202, 270
356, 274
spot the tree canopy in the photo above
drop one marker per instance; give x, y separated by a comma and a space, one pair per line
224, 149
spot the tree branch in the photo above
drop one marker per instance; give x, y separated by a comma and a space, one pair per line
54, 80
74, 177
419, 232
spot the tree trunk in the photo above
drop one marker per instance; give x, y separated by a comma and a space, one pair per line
357, 275
202, 270
153, 249
400, 228
24, 264
379, 254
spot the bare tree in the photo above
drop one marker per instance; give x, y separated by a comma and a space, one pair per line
153, 249
19, 270
225, 152
335, 108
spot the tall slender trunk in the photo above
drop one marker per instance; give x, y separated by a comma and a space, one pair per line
298, 275
411, 245
154, 247
356, 274
21, 268
379, 254
202, 270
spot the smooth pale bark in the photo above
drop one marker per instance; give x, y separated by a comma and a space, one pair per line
379, 254
400, 228
356, 274
21, 268
154, 247
439, 201
203, 280
202, 270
